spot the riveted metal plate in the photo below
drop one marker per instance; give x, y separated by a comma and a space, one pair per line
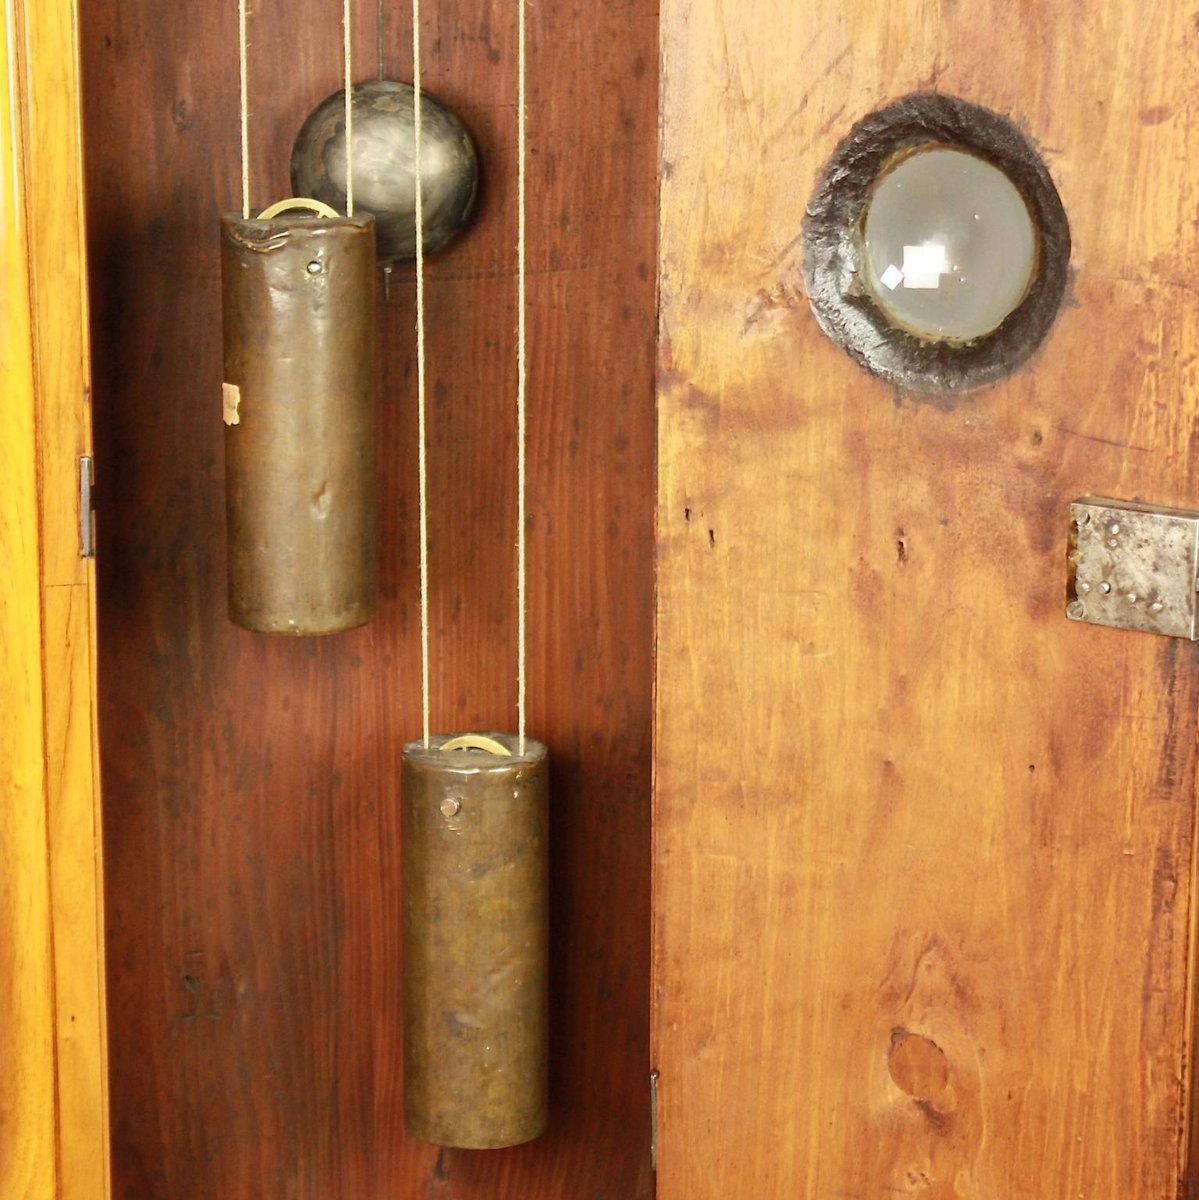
1133, 566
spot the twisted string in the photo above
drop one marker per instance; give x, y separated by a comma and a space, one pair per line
422, 446
345, 43
243, 81
521, 388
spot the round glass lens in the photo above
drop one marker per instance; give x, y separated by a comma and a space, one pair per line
950, 246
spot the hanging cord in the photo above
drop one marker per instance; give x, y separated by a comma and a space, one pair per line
244, 71
346, 39
380, 44
521, 384
380, 31
422, 448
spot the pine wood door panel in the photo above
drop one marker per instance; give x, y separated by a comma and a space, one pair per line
924, 848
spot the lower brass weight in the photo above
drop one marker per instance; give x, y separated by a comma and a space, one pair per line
475, 940
299, 337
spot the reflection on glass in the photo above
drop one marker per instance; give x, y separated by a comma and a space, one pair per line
950, 246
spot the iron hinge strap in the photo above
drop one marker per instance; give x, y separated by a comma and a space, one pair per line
87, 512
653, 1120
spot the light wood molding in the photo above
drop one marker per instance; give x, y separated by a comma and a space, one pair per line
54, 1120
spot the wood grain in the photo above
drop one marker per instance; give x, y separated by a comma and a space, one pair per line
924, 849
251, 843
54, 1135
27, 1104
77, 894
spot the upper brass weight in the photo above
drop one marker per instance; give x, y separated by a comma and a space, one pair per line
475, 941
299, 336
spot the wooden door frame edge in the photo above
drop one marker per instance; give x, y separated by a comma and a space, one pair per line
54, 1126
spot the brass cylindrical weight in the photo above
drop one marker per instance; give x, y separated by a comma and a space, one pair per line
299, 325
475, 941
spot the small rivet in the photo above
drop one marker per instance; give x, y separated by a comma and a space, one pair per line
1084, 587
314, 267
1115, 530
1105, 587
451, 806
1132, 597
1113, 542
1084, 518
1156, 606
1076, 610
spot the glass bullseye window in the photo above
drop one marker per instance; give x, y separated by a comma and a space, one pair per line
936, 246
950, 245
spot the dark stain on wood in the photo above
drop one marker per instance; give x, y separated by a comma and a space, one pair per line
252, 809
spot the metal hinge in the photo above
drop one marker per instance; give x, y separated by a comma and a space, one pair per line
1134, 566
653, 1121
87, 513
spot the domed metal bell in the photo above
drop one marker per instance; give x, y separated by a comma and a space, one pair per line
384, 165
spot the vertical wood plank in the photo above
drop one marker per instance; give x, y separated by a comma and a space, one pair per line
48, 213
252, 835
54, 170
924, 849
77, 895
27, 1101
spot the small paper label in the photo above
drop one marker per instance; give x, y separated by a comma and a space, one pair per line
231, 401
